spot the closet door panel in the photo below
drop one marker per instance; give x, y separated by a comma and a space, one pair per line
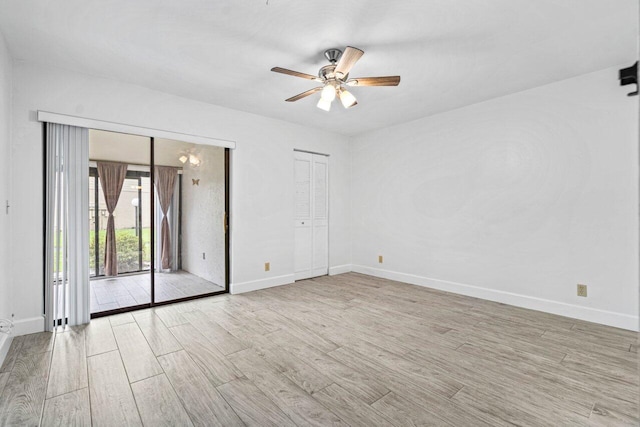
311, 215
303, 247
320, 215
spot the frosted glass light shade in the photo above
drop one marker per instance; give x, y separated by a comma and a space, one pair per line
323, 104
328, 93
347, 99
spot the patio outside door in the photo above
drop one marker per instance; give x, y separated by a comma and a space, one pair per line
119, 186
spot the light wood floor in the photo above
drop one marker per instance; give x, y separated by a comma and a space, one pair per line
342, 350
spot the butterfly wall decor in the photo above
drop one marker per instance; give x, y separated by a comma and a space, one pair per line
195, 181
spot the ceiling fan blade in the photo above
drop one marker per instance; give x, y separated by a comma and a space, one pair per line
304, 94
294, 73
348, 60
374, 81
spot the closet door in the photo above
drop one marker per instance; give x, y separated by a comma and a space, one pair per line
311, 215
320, 220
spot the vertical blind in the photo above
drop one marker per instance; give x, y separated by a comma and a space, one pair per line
66, 226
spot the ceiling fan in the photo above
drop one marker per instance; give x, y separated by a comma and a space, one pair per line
336, 75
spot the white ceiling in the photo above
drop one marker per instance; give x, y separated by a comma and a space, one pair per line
449, 53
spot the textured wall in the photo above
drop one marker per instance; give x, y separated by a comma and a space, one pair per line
202, 216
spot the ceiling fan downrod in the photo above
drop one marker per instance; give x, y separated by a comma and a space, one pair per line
333, 55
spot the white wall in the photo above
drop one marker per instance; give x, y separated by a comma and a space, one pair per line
262, 174
203, 216
517, 200
5, 179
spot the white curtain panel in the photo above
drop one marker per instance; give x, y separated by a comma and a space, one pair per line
67, 226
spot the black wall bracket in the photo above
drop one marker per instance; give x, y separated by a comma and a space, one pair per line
629, 76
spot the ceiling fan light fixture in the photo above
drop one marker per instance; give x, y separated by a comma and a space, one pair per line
193, 160
324, 104
328, 93
334, 76
346, 98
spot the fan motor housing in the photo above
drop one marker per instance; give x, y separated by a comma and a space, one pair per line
327, 73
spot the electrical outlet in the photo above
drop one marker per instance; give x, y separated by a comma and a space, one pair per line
267, 266
582, 290
380, 259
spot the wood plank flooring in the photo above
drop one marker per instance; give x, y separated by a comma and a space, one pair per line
330, 351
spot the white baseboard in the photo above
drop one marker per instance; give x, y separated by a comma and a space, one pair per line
610, 318
28, 326
339, 269
254, 285
5, 343
20, 327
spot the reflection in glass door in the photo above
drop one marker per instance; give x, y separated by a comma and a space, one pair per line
190, 232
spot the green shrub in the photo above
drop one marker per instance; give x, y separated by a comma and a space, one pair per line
127, 247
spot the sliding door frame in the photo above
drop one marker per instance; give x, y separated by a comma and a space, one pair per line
227, 242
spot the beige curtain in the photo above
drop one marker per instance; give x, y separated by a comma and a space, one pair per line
111, 177
165, 178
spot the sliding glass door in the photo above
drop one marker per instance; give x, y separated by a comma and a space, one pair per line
190, 245
157, 221
120, 193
